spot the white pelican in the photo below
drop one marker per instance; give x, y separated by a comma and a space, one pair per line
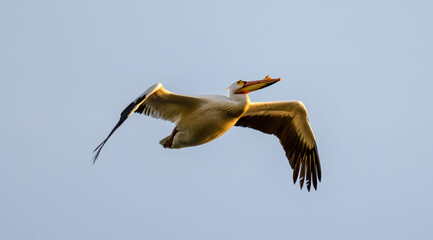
204, 118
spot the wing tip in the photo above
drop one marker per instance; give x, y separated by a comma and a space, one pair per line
307, 170
98, 150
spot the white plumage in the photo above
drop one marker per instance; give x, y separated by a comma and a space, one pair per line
202, 119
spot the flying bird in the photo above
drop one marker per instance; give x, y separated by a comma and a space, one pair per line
201, 119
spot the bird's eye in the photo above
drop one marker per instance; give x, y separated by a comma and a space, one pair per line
240, 83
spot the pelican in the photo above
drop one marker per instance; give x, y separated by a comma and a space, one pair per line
201, 119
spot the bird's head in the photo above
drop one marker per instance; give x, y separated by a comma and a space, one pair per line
244, 87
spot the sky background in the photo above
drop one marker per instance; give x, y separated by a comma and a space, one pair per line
364, 70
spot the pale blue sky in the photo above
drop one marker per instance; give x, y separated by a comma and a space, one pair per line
364, 70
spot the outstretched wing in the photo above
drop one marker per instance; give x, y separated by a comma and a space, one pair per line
158, 103
289, 122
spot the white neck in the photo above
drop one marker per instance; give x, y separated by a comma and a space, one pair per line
239, 104
243, 97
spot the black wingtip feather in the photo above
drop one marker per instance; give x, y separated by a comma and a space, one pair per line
98, 150
308, 161
302, 174
313, 171
123, 116
296, 171
317, 161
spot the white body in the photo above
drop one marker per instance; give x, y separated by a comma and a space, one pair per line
212, 119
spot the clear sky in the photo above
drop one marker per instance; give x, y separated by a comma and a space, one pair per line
364, 70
